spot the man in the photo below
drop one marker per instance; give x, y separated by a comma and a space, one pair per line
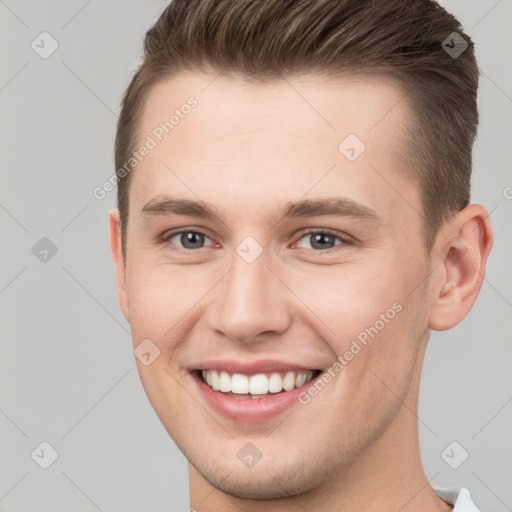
293, 221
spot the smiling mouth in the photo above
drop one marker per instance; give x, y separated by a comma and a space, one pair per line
260, 385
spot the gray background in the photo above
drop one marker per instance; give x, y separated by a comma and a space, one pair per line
67, 369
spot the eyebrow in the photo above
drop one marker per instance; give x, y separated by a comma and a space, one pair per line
336, 206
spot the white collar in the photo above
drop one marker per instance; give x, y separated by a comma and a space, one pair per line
458, 497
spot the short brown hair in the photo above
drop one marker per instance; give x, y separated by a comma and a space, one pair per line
270, 39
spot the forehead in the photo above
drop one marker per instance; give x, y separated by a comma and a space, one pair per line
306, 105
275, 140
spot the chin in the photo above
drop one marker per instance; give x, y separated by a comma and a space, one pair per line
264, 481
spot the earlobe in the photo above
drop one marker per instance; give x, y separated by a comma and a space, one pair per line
119, 262
461, 257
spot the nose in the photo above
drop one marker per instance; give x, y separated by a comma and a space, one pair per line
250, 301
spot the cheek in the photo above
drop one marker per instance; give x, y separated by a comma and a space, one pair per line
159, 297
365, 315
347, 300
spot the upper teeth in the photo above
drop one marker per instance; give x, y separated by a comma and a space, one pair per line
258, 384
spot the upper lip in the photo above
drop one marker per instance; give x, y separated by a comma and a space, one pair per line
252, 367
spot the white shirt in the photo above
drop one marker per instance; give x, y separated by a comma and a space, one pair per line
458, 497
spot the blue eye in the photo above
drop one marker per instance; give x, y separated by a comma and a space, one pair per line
324, 239
320, 240
188, 238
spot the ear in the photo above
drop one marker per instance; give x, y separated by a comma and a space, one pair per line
461, 255
119, 263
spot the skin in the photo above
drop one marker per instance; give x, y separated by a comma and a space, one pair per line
248, 149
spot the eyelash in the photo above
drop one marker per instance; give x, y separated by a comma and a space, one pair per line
344, 239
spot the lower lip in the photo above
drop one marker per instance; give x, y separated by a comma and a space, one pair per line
251, 409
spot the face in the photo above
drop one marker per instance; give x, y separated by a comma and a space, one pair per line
267, 247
